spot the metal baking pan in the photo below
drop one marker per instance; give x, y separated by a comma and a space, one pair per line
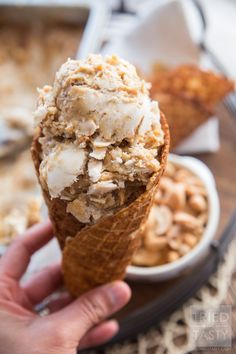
91, 14
88, 14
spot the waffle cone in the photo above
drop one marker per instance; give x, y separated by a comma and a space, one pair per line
184, 115
99, 253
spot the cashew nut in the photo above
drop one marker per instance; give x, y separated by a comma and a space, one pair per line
174, 244
198, 203
203, 219
170, 170
175, 197
158, 197
187, 177
192, 190
166, 183
174, 231
195, 181
155, 243
172, 256
143, 257
182, 175
184, 249
187, 221
163, 218
189, 239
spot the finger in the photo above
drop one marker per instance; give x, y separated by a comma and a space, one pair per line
99, 334
57, 304
90, 309
43, 284
16, 259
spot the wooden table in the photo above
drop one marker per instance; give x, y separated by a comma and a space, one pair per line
223, 165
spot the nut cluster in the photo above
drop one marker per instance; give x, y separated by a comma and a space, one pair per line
15, 221
177, 219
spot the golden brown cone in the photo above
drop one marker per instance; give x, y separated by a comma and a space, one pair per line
99, 253
192, 82
188, 96
183, 114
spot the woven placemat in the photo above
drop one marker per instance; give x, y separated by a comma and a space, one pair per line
179, 334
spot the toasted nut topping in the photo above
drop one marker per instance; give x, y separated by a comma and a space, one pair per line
174, 231
174, 244
155, 243
203, 218
158, 197
172, 256
190, 240
192, 190
184, 249
187, 221
182, 175
145, 257
160, 219
198, 203
165, 184
170, 170
176, 197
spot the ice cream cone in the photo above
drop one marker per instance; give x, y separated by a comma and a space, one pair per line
184, 115
188, 96
99, 253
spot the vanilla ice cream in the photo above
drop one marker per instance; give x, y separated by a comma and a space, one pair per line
100, 136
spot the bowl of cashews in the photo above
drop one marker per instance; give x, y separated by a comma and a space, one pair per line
182, 222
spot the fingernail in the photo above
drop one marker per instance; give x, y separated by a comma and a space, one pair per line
114, 324
119, 293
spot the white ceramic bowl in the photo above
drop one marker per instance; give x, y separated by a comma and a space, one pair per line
188, 261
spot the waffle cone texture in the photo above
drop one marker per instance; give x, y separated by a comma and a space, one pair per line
96, 254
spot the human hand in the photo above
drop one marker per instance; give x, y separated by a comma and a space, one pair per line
70, 324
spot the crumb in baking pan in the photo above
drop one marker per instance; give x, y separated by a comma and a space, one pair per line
20, 199
29, 57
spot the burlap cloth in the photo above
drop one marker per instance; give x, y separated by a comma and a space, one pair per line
174, 335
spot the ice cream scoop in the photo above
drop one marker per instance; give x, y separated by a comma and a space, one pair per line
101, 135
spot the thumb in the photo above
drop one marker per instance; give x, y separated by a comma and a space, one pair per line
92, 308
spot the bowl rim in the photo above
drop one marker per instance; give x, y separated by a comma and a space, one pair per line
201, 170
